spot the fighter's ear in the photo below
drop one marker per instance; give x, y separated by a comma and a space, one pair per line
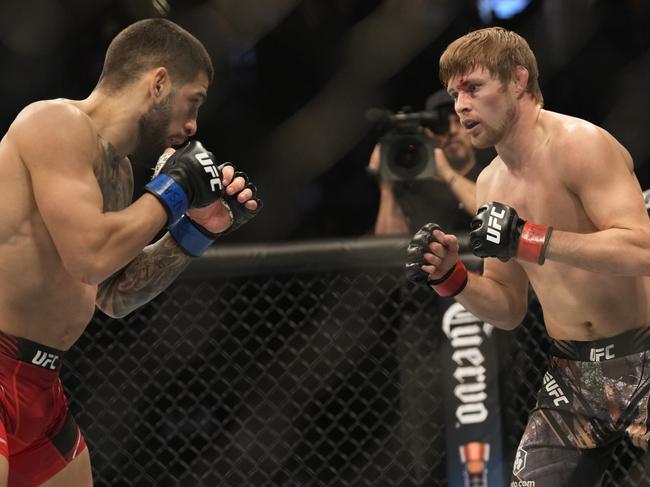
159, 82
520, 80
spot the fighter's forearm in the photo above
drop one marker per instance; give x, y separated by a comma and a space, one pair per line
617, 251
150, 273
493, 302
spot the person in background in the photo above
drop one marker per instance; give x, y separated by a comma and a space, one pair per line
450, 197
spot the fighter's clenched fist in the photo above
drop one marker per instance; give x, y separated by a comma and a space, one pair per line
497, 231
186, 178
196, 230
199, 225
432, 259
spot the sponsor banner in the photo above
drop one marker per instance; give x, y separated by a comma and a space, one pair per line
472, 408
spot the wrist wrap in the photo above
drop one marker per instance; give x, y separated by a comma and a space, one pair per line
452, 283
170, 194
189, 237
533, 242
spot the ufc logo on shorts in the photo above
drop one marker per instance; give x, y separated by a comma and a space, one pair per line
205, 160
45, 360
554, 390
598, 354
494, 227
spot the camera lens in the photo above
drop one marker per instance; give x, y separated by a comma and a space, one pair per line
407, 156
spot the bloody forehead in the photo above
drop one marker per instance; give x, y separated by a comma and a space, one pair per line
461, 80
460, 85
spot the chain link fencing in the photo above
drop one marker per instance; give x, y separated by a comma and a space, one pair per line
292, 365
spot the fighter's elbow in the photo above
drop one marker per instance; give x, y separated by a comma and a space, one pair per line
87, 268
111, 311
85, 258
513, 317
636, 260
519, 313
112, 302
513, 323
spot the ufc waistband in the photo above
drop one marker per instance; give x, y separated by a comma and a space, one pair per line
627, 343
47, 358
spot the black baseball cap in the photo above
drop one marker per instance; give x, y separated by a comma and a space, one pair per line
439, 99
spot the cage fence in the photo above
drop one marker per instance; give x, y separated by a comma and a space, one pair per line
310, 364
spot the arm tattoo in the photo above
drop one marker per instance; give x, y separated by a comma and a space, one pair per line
146, 276
154, 269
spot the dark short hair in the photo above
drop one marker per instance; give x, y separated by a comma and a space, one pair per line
151, 43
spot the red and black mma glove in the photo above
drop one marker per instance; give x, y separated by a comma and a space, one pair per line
188, 178
450, 284
498, 232
194, 239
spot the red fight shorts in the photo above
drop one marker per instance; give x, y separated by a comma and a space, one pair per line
38, 435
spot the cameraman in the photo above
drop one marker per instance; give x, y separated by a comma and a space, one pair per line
448, 197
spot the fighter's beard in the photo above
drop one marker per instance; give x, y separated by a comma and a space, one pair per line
152, 133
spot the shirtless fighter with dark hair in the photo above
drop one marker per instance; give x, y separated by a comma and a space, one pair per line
71, 239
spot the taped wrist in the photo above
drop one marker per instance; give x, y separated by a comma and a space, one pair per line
171, 195
189, 237
533, 242
452, 283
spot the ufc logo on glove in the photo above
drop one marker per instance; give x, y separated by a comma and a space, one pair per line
521, 239
494, 227
208, 166
180, 180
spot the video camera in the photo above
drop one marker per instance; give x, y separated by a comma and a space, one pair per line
406, 153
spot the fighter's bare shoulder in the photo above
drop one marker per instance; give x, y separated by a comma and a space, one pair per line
568, 146
56, 128
580, 145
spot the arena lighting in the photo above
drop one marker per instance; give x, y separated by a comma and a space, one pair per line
501, 9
